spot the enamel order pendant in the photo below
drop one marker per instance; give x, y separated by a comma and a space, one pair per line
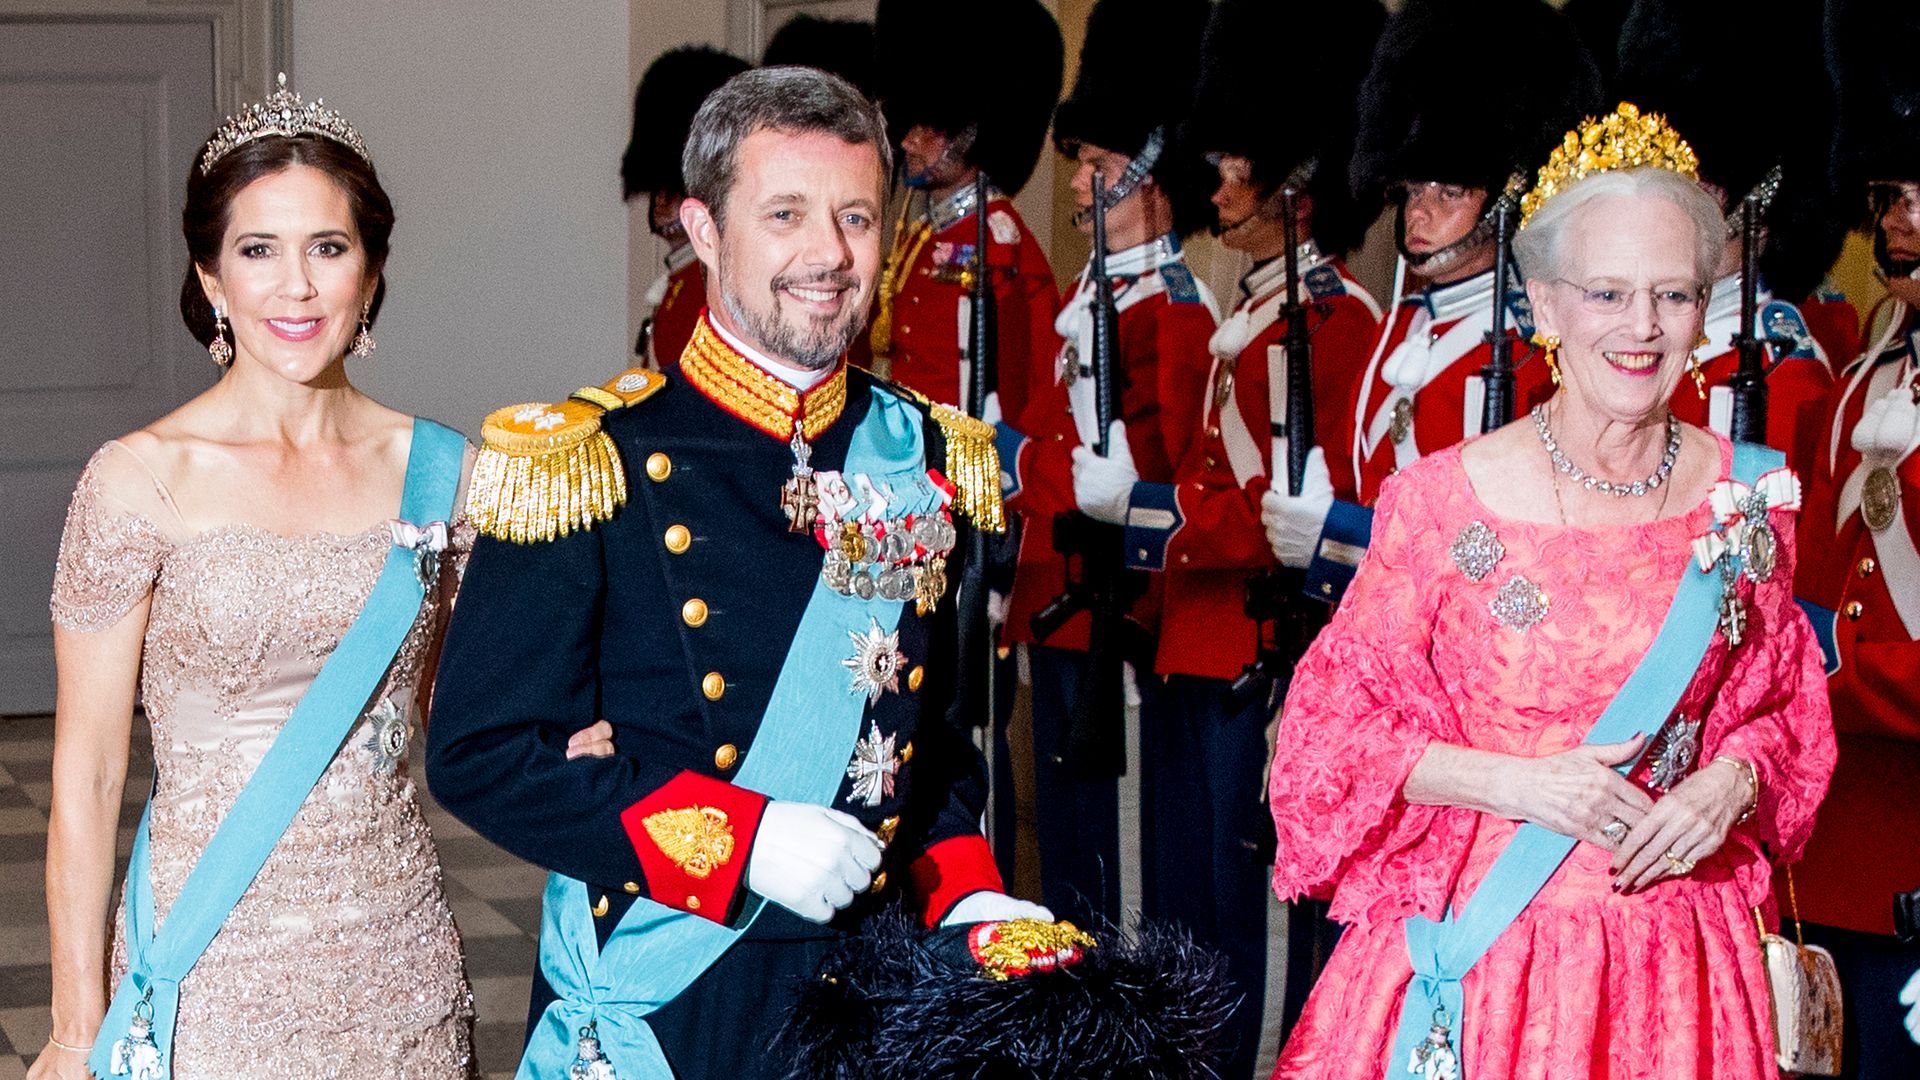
873, 768
589, 1063
137, 1056
799, 496
1435, 1057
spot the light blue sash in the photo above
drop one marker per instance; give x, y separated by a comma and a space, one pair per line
158, 961
1443, 952
800, 754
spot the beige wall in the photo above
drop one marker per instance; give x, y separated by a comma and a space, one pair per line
497, 128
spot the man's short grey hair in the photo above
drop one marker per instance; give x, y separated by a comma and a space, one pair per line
1540, 248
790, 100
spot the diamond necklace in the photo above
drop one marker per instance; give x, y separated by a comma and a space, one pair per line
1593, 483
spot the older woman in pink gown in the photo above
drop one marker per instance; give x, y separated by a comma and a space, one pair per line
1503, 603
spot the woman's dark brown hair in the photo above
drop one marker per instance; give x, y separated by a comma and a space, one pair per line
210, 205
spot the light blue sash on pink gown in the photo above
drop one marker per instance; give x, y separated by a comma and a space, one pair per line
1443, 952
146, 1005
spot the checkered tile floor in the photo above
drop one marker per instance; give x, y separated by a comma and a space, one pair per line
495, 899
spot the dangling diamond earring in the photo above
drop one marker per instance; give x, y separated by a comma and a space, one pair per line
1551, 343
363, 343
219, 348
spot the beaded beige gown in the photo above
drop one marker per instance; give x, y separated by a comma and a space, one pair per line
342, 959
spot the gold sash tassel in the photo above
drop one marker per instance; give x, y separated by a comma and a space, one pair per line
973, 466
544, 471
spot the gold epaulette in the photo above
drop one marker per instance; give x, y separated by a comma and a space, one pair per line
545, 470
973, 466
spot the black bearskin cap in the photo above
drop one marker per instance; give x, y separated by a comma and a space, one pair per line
895, 1004
998, 72
1469, 92
671, 91
1748, 93
1870, 56
1138, 65
842, 47
1239, 109
1598, 23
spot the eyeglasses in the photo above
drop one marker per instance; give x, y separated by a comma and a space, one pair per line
1610, 298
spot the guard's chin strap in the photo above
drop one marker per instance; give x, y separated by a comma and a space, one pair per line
1429, 263
1130, 177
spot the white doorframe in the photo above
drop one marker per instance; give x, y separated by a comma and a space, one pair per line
252, 39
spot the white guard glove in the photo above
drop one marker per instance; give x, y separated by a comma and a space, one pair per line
811, 860
1294, 523
1103, 486
990, 411
993, 907
1909, 996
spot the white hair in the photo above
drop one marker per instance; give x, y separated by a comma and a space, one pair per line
1540, 247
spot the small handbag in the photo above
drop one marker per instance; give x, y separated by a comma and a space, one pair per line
1803, 988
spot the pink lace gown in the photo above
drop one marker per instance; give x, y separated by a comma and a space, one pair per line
1662, 983
341, 960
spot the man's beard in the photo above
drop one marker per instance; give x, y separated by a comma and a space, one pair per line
815, 347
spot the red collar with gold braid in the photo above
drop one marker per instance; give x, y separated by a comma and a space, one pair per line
741, 387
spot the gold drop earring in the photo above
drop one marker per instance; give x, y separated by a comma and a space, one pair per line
1693, 369
1551, 343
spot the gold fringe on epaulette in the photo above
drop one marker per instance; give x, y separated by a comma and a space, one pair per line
973, 466
526, 497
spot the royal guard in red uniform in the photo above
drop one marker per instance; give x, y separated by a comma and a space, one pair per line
950, 128
1693, 63
1200, 534
1859, 576
1447, 137
663, 106
1123, 128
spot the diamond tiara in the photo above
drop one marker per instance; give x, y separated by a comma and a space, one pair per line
1623, 139
283, 114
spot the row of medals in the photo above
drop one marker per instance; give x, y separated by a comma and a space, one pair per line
892, 558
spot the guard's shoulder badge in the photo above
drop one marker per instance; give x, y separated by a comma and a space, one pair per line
1779, 319
973, 466
1325, 283
545, 470
1521, 308
1181, 287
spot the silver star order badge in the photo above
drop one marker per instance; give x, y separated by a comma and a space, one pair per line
872, 768
876, 661
1678, 749
392, 729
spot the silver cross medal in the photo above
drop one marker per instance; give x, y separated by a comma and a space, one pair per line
799, 496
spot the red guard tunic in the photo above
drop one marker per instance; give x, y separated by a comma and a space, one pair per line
1422, 390
1797, 383
1858, 559
1204, 530
925, 312
678, 299
1161, 364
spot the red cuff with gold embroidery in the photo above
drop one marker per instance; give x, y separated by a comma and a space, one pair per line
693, 835
951, 869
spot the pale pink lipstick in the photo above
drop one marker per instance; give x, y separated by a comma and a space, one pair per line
296, 329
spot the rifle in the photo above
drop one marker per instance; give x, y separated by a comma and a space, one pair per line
1285, 618
1749, 380
975, 683
1096, 730
1497, 407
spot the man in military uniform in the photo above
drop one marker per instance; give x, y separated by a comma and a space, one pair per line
1124, 129
764, 626
1693, 63
1859, 573
1446, 135
1202, 533
949, 129
672, 89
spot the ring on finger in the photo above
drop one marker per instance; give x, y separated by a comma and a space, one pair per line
1681, 867
1616, 831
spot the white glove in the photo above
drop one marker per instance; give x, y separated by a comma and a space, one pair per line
1294, 522
993, 907
811, 860
990, 410
1103, 486
1909, 996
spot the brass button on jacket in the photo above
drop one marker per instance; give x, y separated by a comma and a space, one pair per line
1855, 609
1867, 567
659, 466
694, 612
725, 756
714, 685
632, 887
678, 539
915, 677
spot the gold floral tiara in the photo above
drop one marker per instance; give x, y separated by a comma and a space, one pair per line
1622, 139
283, 114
